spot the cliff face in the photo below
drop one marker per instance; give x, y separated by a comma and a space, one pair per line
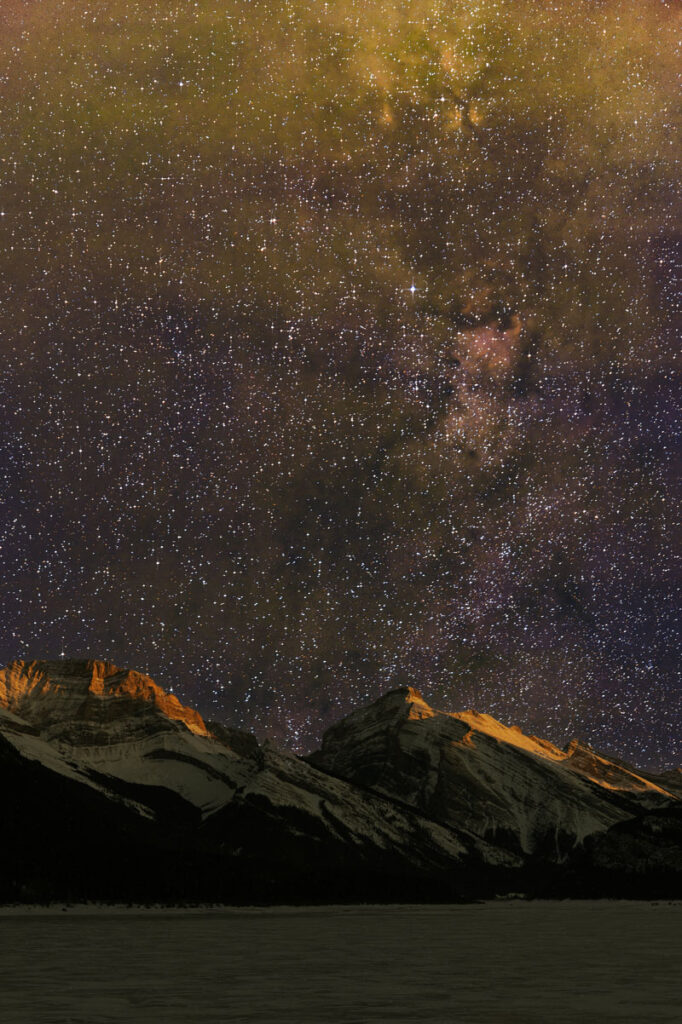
52, 693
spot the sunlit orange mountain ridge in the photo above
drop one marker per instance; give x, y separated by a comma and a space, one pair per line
54, 690
402, 802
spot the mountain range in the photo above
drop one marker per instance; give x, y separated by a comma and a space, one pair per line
114, 790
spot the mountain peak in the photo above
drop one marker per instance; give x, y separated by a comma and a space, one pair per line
50, 691
405, 695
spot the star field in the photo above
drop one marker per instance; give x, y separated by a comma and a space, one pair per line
339, 350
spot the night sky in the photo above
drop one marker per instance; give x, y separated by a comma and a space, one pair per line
339, 351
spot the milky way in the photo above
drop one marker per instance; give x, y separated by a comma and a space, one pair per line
339, 350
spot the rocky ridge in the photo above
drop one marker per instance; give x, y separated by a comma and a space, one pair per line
466, 766
402, 802
48, 693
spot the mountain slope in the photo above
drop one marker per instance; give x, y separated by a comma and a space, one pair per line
216, 791
112, 789
471, 770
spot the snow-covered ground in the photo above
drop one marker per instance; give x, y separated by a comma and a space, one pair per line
498, 963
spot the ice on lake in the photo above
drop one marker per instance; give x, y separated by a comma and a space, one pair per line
501, 963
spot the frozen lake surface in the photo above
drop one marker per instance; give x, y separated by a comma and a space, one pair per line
502, 963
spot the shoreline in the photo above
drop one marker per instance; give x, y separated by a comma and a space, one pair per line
177, 910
